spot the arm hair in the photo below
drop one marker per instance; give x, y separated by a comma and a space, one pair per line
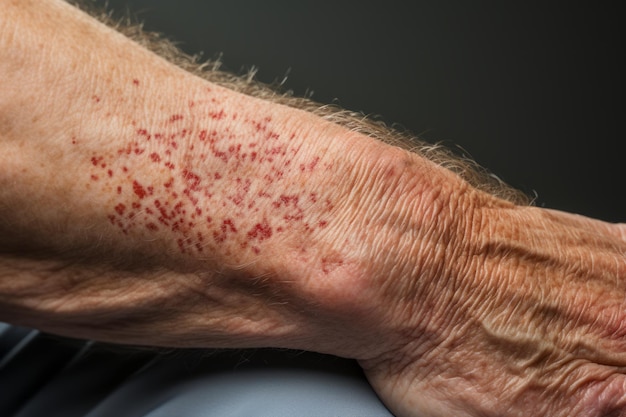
208, 69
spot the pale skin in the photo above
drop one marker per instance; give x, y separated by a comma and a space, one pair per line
140, 204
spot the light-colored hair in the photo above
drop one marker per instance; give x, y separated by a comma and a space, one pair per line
466, 168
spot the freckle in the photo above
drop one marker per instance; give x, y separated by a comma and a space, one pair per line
151, 226
120, 208
155, 157
176, 117
73, 140
110, 172
139, 190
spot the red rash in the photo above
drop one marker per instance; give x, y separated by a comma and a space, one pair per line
187, 192
139, 190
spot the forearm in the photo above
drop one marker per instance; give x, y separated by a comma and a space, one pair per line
220, 198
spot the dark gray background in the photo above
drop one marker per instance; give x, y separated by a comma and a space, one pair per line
533, 91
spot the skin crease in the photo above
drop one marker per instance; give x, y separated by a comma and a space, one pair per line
142, 205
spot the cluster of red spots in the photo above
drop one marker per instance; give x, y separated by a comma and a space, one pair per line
182, 213
98, 160
260, 232
310, 166
140, 191
217, 115
227, 227
120, 209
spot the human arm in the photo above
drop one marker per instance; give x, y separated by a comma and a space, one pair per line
374, 253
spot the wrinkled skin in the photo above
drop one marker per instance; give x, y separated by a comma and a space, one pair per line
454, 302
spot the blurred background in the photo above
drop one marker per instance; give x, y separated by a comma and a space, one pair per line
531, 90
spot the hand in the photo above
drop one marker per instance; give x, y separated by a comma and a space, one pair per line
526, 319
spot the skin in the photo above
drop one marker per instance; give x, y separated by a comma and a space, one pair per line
140, 204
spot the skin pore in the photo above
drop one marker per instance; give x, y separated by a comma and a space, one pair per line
143, 204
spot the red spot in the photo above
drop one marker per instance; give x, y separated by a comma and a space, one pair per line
73, 140
217, 115
256, 250
136, 205
139, 151
260, 231
151, 226
323, 224
199, 247
96, 98
209, 219
169, 165
218, 176
125, 169
176, 117
169, 183
174, 145
155, 157
139, 190
198, 211
192, 179
227, 227
94, 177
203, 135
96, 160
120, 209
110, 172
313, 197
144, 132
135, 81
119, 190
